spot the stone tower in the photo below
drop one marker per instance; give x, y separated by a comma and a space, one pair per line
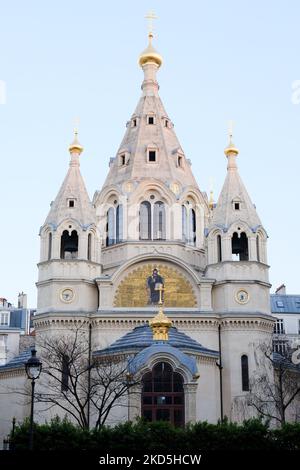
237, 261
70, 248
150, 207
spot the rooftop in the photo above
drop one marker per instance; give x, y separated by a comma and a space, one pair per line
142, 337
285, 303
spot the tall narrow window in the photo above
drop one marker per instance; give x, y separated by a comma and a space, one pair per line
184, 223
50, 246
257, 248
119, 223
239, 246
69, 245
145, 221
245, 373
65, 373
159, 221
192, 224
4, 319
219, 248
110, 238
89, 247
279, 327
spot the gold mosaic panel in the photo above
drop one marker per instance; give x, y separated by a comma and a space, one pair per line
132, 291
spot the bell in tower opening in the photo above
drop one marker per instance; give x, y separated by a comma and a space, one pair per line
69, 245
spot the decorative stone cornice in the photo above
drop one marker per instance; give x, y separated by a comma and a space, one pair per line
62, 320
66, 262
12, 372
257, 323
188, 320
64, 280
243, 281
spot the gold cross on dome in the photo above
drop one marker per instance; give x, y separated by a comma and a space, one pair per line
76, 125
150, 17
160, 287
230, 130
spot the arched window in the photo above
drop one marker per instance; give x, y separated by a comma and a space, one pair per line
239, 247
245, 373
188, 225
119, 223
159, 221
69, 245
257, 247
65, 373
163, 395
89, 247
50, 246
110, 228
219, 248
192, 234
145, 221
184, 223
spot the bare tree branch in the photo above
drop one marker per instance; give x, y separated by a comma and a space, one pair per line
64, 382
275, 386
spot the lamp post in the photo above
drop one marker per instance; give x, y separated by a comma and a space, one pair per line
33, 369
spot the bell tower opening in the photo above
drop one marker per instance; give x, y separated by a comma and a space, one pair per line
163, 395
239, 246
69, 245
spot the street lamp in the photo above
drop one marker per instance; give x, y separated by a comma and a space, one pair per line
33, 369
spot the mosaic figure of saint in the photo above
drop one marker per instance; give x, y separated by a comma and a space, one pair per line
153, 282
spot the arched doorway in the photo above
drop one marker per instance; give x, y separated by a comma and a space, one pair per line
163, 395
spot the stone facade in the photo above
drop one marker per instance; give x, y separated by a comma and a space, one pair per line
96, 258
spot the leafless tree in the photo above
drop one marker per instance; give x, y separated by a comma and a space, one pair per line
78, 385
275, 386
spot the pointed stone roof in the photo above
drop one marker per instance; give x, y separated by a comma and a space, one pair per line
140, 135
225, 214
73, 187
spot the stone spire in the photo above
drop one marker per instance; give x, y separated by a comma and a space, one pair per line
150, 128
72, 200
234, 202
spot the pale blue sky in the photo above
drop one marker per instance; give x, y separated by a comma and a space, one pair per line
222, 60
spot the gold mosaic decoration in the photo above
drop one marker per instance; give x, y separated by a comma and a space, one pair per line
133, 292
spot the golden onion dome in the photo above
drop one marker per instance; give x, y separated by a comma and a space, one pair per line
150, 54
75, 145
231, 148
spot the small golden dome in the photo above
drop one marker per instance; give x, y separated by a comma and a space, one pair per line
75, 146
160, 325
231, 148
150, 54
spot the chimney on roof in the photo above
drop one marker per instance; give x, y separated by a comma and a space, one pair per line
22, 300
281, 290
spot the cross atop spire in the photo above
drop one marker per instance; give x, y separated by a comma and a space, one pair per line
150, 17
150, 55
231, 148
230, 130
76, 147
